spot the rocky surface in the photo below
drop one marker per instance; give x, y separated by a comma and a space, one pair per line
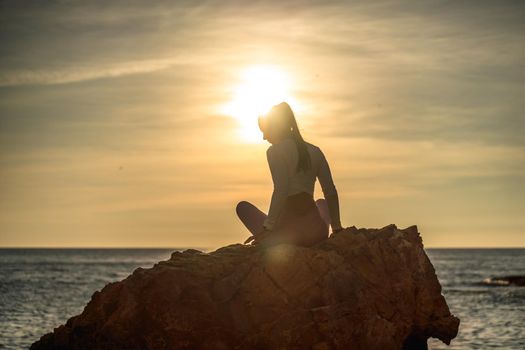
359, 289
516, 280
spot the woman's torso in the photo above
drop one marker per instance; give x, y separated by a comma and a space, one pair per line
299, 181
300, 219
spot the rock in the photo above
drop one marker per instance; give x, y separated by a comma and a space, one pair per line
358, 289
515, 280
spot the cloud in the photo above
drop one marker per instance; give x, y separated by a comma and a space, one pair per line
75, 74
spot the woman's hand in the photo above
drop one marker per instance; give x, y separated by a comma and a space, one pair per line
260, 236
249, 239
335, 230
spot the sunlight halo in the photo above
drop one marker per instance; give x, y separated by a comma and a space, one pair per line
259, 88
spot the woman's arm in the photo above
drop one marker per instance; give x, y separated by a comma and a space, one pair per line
330, 192
280, 187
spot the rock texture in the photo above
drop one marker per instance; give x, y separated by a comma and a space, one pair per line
516, 280
359, 289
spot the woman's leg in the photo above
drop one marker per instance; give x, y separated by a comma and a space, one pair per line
250, 216
323, 210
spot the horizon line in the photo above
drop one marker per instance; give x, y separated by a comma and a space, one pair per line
208, 248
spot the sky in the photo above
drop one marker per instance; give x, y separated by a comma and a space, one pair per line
126, 123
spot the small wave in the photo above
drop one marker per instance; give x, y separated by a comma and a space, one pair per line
505, 281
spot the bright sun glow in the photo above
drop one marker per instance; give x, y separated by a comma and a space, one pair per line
260, 88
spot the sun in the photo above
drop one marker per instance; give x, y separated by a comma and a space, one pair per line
260, 87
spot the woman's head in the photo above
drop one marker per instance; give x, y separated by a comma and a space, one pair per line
280, 123
276, 124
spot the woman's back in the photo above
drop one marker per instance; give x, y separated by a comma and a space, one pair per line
285, 156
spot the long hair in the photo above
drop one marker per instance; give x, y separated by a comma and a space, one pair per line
281, 117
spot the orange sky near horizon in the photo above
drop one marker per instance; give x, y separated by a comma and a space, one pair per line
136, 126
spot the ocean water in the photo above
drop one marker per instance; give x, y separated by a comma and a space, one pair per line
41, 288
492, 316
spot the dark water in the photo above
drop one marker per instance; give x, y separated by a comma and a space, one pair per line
41, 288
491, 316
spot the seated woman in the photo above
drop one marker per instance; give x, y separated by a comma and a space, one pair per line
294, 164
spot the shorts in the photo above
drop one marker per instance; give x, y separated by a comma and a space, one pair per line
300, 222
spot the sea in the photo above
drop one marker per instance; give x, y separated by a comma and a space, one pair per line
41, 288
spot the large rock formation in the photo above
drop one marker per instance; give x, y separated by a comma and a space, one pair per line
359, 289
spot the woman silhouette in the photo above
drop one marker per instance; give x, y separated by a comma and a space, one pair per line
294, 164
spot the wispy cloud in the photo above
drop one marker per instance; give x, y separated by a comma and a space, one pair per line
73, 73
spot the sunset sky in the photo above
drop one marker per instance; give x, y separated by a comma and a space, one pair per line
131, 124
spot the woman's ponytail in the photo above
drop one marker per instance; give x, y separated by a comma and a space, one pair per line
304, 162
